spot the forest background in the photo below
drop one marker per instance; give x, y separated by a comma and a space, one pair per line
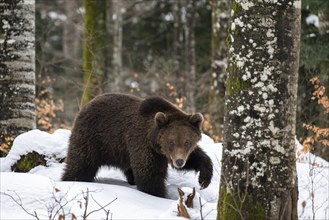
179, 49
176, 49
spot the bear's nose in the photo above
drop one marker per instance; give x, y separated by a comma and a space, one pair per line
180, 162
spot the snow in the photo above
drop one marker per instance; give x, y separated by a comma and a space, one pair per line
40, 142
40, 192
313, 19
56, 16
29, 2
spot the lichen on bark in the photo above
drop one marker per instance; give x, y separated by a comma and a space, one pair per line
258, 156
17, 67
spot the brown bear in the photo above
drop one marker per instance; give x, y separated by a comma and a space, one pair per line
139, 136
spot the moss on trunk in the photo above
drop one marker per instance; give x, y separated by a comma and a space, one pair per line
28, 162
239, 206
94, 49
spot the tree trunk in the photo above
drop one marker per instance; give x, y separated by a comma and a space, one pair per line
115, 79
190, 56
184, 52
259, 179
17, 67
324, 67
178, 47
94, 49
71, 33
220, 16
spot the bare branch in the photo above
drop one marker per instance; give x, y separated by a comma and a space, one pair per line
18, 201
101, 207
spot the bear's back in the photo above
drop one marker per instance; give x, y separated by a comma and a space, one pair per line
151, 105
112, 115
108, 113
109, 103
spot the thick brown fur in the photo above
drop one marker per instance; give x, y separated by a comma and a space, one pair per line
139, 136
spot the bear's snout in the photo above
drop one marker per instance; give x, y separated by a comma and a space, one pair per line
180, 163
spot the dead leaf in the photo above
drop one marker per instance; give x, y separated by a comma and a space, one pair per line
182, 210
180, 206
189, 200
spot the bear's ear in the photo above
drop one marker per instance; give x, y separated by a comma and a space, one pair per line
196, 120
160, 119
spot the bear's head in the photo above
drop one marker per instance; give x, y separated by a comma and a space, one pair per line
178, 136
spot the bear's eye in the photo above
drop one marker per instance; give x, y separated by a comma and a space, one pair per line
171, 143
187, 144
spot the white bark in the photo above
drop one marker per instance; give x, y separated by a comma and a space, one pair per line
17, 67
259, 155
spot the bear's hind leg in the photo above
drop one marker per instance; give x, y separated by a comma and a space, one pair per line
76, 171
130, 176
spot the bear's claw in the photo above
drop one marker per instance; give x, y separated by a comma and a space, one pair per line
204, 184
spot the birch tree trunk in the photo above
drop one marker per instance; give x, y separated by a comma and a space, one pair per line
94, 48
220, 15
259, 179
17, 67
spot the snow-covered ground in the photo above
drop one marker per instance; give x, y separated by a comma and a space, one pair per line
41, 194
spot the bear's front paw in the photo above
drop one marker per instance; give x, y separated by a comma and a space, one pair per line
204, 179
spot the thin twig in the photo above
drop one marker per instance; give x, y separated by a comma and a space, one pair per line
101, 207
35, 215
200, 208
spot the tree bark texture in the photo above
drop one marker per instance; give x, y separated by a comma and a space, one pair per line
178, 42
17, 66
71, 34
220, 16
94, 45
190, 56
259, 179
184, 51
114, 77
